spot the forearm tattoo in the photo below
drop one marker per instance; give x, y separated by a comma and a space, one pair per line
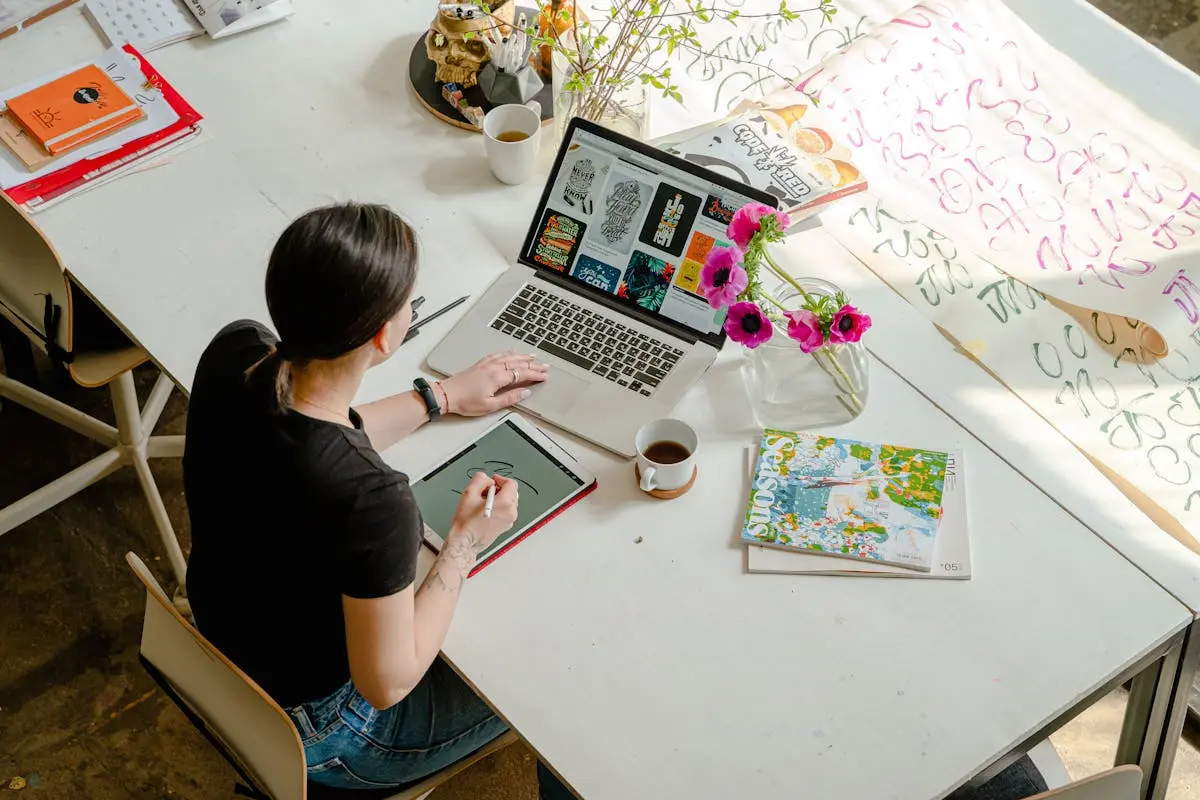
455, 562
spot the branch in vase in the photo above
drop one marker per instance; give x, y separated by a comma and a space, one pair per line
730, 16
711, 54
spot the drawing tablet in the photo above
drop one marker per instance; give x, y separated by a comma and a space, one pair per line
548, 477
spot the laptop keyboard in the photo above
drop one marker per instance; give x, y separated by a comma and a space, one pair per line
588, 339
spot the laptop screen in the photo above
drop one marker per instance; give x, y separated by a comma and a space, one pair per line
636, 224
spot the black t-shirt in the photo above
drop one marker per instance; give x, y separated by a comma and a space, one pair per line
288, 513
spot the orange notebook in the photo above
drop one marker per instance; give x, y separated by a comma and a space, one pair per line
73, 110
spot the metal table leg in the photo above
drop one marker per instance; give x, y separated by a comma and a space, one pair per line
1158, 707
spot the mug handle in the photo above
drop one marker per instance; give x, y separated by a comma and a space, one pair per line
647, 482
535, 107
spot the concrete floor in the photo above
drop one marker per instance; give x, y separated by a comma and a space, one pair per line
80, 719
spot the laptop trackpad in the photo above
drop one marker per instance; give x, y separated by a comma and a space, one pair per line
557, 396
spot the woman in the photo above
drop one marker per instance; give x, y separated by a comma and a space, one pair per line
304, 542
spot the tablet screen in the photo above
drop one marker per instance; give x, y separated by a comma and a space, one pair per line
505, 450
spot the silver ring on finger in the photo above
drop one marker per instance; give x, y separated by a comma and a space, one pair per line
516, 376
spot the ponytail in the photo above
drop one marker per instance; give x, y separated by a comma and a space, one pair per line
270, 381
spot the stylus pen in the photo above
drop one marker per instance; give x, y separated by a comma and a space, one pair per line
416, 326
491, 500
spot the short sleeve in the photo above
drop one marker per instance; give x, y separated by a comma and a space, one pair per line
381, 540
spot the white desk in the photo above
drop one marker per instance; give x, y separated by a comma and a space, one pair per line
638, 670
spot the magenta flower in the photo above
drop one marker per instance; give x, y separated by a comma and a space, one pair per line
746, 324
805, 327
747, 222
723, 279
849, 325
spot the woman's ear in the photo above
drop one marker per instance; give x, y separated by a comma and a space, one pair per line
382, 339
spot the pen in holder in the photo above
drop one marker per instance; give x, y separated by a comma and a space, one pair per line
508, 77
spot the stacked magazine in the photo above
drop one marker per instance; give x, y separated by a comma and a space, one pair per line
827, 506
778, 144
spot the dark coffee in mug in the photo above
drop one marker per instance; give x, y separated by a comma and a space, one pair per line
667, 452
512, 136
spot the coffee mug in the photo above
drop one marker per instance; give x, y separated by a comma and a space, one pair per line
666, 454
510, 138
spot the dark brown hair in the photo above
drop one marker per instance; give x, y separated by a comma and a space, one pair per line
335, 276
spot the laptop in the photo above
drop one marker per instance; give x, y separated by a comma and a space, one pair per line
607, 286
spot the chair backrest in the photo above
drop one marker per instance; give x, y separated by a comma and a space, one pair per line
31, 277
1121, 783
251, 726
29, 272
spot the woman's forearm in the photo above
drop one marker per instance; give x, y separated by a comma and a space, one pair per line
389, 420
438, 596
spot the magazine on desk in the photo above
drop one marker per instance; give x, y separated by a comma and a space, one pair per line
851, 500
778, 144
951, 551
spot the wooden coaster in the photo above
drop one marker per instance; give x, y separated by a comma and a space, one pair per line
421, 76
665, 494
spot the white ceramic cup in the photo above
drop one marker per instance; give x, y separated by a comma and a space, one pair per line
666, 477
513, 162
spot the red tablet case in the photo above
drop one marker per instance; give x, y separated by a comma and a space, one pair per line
517, 540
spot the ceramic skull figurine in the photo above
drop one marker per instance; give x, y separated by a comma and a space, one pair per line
458, 58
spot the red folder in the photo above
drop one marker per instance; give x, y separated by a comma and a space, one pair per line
71, 177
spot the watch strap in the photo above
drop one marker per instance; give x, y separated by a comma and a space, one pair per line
431, 403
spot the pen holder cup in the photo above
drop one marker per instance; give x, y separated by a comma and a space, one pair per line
501, 87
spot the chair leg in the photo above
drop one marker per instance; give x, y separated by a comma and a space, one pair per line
56, 491
159, 511
58, 411
134, 437
156, 402
165, 447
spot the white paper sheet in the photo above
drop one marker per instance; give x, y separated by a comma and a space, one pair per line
1083, 371
126, 73
963, 117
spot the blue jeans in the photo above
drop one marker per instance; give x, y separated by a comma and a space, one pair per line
348, 744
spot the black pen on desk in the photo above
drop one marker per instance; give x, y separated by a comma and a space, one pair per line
415, 328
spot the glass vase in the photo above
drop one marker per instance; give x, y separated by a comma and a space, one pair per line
793, 390
623, 109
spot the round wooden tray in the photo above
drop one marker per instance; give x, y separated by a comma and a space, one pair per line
422, 74
667, 494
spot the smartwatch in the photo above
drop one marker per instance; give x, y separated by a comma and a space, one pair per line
431, 404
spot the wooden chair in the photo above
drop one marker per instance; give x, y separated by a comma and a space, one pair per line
242, 722
1121, 783
38, 297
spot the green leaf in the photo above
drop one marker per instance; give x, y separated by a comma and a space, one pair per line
670, 46
468, 35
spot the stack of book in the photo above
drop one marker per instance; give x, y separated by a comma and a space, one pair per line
826, 506
86, 125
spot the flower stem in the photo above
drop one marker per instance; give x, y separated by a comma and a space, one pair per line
782, 275
774, 302
848, 386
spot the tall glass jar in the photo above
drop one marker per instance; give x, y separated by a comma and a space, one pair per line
622, 109
793, 390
